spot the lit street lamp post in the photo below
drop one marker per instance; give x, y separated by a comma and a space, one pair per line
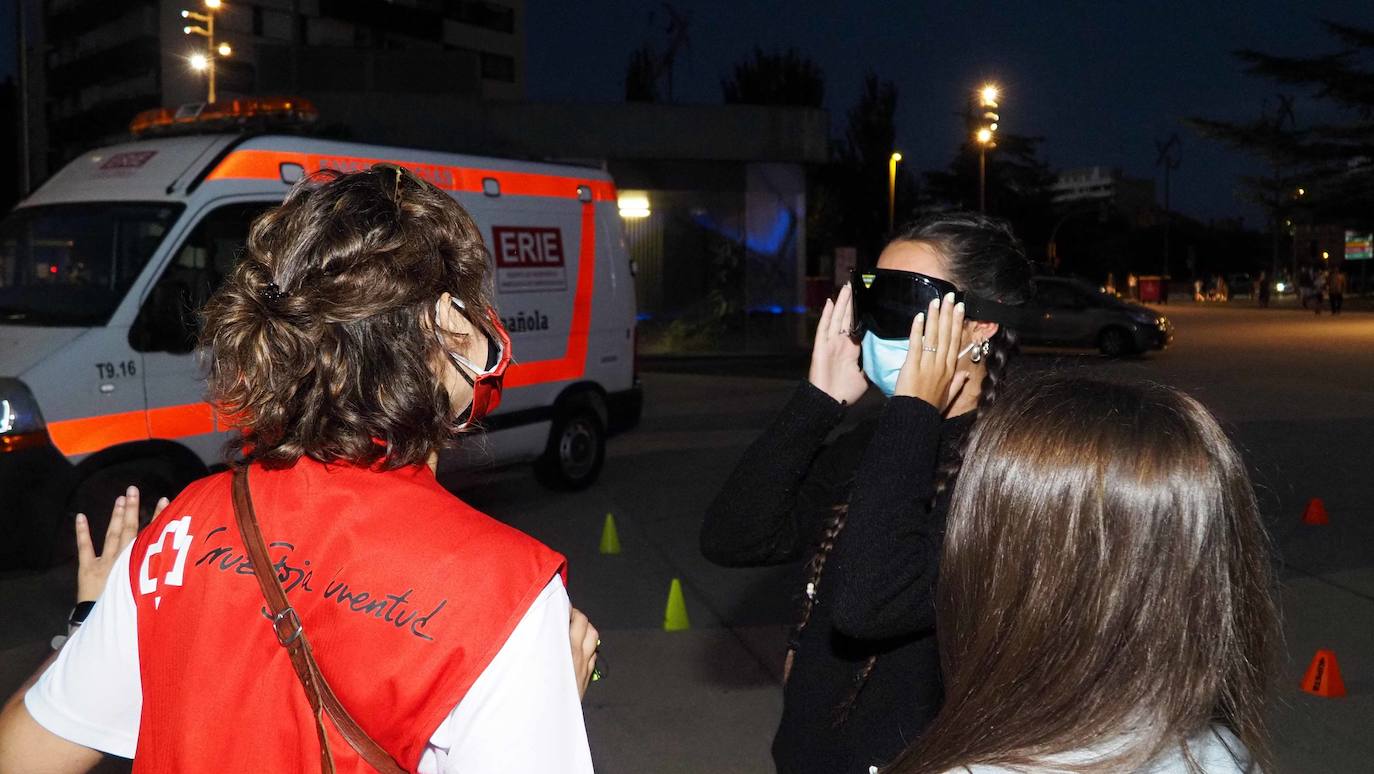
206, 61
986, 136
892, 188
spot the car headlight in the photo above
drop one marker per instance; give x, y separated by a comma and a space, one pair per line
21, 423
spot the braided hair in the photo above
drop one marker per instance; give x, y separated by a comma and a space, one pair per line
985, 258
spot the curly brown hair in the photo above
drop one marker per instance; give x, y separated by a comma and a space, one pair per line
321, 342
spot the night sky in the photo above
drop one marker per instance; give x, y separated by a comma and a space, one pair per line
1099, 80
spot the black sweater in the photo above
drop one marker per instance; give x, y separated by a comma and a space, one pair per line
875, 596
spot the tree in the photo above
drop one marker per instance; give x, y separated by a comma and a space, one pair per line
1333, 162
648, 66
641, 76
860, 169
1018, 185
782, 78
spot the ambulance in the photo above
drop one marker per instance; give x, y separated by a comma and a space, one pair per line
103, 268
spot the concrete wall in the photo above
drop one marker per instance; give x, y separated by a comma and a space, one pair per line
370, 75
739, 133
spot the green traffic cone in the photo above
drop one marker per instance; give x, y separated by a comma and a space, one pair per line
610, 538
675, 615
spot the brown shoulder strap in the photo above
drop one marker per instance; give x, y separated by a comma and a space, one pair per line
287, 626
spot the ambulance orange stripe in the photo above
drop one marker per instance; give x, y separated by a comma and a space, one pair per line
180, 421
266, 165
574, 361
89, 434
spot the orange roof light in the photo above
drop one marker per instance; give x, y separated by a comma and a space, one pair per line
225, 114
157, 118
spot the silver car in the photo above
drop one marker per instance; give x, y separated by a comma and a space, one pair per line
1073, 313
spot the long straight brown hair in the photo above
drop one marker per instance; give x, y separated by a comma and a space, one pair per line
1105, 576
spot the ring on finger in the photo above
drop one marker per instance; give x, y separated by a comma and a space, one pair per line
929, 348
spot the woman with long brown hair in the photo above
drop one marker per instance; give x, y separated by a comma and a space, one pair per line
1104, 597
862, 672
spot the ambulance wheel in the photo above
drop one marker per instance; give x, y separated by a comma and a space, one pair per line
576, 450
95, 497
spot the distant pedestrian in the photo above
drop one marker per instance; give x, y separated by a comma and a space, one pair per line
1336, 290
1066, 649
862, 675
1319, 282
1262, 290
1197, 290
1132, 287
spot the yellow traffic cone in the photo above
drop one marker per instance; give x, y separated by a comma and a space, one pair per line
610, 539
675, 615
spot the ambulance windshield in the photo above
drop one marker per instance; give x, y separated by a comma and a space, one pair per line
71, 264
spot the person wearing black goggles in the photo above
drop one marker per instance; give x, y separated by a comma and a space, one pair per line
886, 301
932, 326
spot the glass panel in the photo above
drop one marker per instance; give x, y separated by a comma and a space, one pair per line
71, 264
168, 319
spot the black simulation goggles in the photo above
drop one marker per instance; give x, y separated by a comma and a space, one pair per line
886, 301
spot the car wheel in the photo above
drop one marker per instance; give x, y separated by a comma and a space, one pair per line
1115, 342
95, 497
576, 450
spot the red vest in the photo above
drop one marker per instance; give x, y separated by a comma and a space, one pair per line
405, 592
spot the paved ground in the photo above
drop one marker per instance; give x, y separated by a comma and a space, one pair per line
1294, 389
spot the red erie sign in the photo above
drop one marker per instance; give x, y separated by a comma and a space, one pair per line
519, 247
131, 160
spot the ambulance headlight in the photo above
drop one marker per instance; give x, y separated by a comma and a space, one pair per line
21, 424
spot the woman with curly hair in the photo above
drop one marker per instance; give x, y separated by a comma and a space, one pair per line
326, 603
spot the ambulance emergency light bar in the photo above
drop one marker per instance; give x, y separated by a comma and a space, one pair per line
223, 114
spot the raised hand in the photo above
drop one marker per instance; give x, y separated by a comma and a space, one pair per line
584, 640
930, 372
92, 570
834, 355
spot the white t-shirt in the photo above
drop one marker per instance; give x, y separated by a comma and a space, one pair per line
91, 695
1216, 751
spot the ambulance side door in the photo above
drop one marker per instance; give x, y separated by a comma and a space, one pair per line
167, 326
534, 244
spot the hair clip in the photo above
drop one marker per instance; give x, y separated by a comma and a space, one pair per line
273, 293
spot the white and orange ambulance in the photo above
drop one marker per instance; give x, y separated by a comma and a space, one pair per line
103, 268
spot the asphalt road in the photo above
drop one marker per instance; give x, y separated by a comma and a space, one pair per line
1294, 389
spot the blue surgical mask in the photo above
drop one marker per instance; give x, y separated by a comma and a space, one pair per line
882, 361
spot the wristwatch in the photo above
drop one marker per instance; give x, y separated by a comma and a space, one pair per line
74, 621
79, 613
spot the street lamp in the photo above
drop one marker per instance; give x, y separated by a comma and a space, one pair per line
206, 61
986, 135
892, 187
